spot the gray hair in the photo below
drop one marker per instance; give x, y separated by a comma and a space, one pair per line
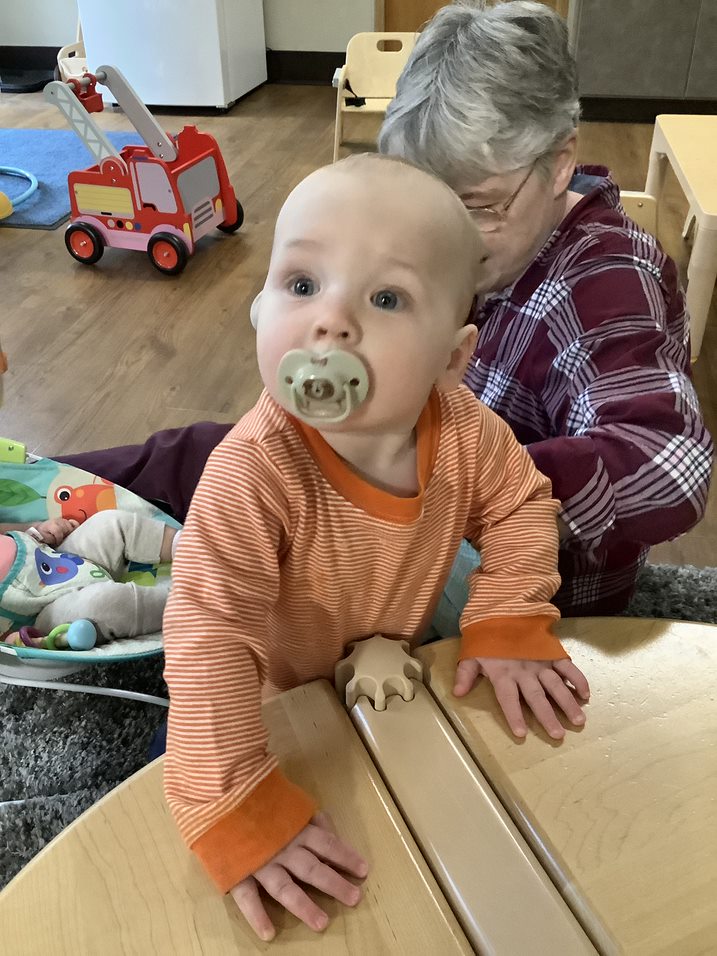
486, 90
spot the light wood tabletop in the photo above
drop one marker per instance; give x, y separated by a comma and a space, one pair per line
690, 143
622, 813
120, 881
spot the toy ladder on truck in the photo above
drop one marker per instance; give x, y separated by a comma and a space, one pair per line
160, 198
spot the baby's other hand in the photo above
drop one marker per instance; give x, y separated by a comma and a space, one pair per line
55, 530
545, 686
316, 857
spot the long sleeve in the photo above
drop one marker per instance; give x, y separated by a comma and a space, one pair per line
513, 524
631, 458
232, 804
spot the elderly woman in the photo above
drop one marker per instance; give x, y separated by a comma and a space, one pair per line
583, 345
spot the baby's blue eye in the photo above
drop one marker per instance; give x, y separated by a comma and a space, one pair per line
303, 286
385, 299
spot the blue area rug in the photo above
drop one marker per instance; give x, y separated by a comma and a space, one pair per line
51, 154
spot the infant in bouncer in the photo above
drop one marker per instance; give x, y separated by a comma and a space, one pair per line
78, 581
59, 571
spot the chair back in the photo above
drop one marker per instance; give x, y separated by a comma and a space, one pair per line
642, 209
374, 62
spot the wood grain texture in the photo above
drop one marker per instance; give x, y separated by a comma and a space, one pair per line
409, 15
413, 14
622, 812
119, 881
105, 355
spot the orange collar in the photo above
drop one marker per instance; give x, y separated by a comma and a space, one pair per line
372, 500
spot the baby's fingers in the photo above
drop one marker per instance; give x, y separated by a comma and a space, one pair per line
534, 695
246, 896
324, 843
507, 695
310, 869
467, 673
563, 696
278, 883
568, 671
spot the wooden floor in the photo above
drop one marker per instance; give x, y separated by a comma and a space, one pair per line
105, 355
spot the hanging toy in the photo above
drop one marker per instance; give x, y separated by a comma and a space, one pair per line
79, 635
7, 205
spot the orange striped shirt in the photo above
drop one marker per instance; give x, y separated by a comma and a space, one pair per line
287, 556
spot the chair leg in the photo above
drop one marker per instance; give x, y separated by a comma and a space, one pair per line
338, 130
689, 223
701, 275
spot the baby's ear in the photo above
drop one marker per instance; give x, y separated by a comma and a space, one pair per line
254, 310
463, 347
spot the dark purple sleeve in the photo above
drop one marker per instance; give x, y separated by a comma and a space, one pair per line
165, 469
630, 458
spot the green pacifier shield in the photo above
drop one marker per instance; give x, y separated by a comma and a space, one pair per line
325, 388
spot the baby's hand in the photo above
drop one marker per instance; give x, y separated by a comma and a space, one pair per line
536, 682
54, 531
312, 857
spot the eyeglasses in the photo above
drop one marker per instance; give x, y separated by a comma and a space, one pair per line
491, 218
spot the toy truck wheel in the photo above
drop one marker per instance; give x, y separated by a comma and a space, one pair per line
237, 222
84, 243
167, 253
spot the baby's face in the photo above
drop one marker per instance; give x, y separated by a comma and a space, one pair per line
358, 265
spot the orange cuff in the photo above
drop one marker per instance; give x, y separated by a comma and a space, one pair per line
252, 833
515, 638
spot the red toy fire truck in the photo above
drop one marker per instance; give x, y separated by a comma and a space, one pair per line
160, 198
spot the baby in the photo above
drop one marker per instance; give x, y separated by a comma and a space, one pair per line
51, 587
334, 510
79, 581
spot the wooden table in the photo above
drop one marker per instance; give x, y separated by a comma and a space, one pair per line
120, 881
689, 145
623, 813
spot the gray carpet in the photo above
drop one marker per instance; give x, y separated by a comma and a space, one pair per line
60, 752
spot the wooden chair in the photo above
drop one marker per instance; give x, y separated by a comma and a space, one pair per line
72, 59
367, 81
642, 209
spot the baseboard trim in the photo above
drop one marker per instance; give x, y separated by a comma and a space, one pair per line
26, 69
616, 109
302, 67
315, 68
28, 57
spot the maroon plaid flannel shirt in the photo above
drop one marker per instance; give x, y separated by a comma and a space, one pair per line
586, 356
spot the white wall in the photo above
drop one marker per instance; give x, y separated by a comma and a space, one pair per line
37, 22
289, 24
326, 25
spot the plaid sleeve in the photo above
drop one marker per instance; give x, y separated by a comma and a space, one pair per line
630, 457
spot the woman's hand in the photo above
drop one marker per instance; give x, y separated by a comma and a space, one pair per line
312, 857
54, 531
545, 686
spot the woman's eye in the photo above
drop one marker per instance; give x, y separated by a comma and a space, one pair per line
303, 286
385, 299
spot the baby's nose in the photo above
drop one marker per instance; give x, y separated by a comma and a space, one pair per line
336, 323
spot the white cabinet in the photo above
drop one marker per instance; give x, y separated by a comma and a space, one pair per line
179, 52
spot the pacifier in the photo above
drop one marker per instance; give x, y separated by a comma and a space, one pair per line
323, 388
